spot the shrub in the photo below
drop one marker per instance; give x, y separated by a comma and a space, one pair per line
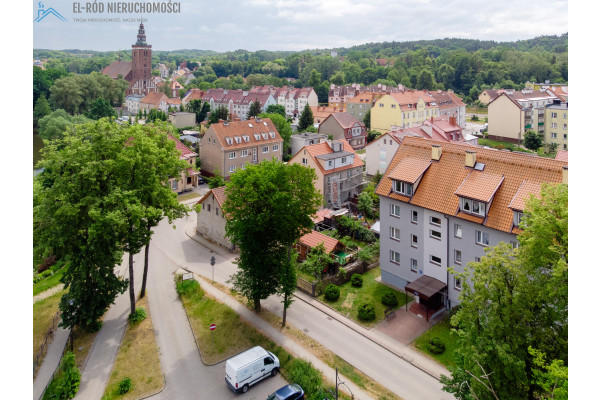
389, 299
66, 384
436, 346
366, 312
356, 280
47, 263
188, 288
304, 374
41, 276
125, 385
138, 315
332, 292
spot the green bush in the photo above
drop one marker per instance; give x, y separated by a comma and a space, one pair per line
125, 385
366, 312
43, 275
332, 292
304, 374
389, 299
436, 346
188, 288
356, 280
138, 315
66, 384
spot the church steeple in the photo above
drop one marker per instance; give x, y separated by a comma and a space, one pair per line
141, 37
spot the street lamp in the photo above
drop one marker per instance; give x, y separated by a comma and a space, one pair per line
71, 304
212, 263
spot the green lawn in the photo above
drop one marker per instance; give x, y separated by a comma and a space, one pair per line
43, 313
188, 196
48, 282
476, 110
371, 292
442, 331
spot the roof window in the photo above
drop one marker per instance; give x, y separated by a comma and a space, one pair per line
265, 135
229, 141
272, 134
250, 125
256, 136
238, 139
246, 138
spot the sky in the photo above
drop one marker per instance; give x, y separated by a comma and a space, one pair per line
227, 25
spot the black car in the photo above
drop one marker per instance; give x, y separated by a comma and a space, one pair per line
288, 392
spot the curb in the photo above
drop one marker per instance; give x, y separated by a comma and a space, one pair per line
336, 317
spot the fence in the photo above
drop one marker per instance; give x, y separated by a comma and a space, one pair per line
58, 365
46, 341
357, 267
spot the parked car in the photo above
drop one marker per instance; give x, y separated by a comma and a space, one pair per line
250, 367
200, 180
288, 392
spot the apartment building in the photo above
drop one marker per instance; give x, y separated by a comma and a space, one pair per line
450, 106
339, 170
237, 102
229, 146
340, 95
405, 110
442, 204
345, 126
361, 104
293, 99
557, 124
513, 113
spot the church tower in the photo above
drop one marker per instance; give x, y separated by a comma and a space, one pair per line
141, 65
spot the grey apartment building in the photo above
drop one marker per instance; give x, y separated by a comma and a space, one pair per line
442, 204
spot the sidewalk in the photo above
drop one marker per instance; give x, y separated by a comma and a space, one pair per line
45, 371
281, 339
406, 353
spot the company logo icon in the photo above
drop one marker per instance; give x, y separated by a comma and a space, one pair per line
44, 13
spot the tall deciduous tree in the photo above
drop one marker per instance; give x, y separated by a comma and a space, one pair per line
269, 206
276, 109
101, 108
532, 140
220, 113
512, 301
367, 119
306, 119
41, 109
283, 127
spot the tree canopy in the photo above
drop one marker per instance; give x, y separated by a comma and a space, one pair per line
254, 110
54, 125
514, 309
306, 119
269, 206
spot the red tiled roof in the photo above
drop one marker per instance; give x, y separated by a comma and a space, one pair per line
183, 149
314, 238
410, 169
562, 155
345, 120
321, 215
480, 186
247, 128
117, 68
523, 194
315, 150
218, 193
437, 188
154, 98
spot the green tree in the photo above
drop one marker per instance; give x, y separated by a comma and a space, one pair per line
306, 119
365, 204
216, 180
367, 119
276, 109
41, 109
155, 115
283, 127
288, 279
55, 124
254, 110
220, 113
316, 262
516, 299
532, 140
425, 80
372, 135
315, 78
100, 109
269, 207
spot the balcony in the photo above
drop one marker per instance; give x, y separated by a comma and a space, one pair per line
540, 123
527, 126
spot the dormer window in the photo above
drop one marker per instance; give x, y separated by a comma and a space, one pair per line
472, 206
265, 136
238, 139
403, 188
343, 160
256, 136
229, 141
272, 134
246, 138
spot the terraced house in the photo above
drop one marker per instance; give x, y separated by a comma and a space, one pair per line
339, 170
442, 204
403, 110
230, 146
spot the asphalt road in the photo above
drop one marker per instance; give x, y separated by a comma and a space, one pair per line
173, 248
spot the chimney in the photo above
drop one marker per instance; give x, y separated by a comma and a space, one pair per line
453, 121
436, 152
565, 175
470, 158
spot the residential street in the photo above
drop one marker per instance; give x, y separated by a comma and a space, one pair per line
175, 248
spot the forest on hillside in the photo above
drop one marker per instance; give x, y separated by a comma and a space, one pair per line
464, 65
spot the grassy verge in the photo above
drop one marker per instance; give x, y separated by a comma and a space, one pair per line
49, 282
442, 331
476, 110
43, 313
501, 145
328, 357
361, 151
138, 360
371, 292
187, 196
234, 335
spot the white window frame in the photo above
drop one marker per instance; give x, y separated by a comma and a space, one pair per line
393, 209
394, 257
414, 267
265, 149
435, 234
343, 160
471, 205
458, 231
394, 233
304, 161
231, 168
457, 283
432, 222
403, 188
231, 155
414, 241
244, 153
414, 217
457, 256
431, 260
553, 135
482, 238
275, 147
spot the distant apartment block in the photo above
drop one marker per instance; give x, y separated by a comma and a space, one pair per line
293, 99
237, 102
557, 124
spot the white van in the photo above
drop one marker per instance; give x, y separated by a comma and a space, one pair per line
250, 367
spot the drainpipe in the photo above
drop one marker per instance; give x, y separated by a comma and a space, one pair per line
448, 259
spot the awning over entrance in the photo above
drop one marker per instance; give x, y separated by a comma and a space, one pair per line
425, 287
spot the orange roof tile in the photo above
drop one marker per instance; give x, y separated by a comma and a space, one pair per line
523, 194
410, 169
437, 188
562, 155
314, 238
315, 150
479, 185
183, 149
238, 129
